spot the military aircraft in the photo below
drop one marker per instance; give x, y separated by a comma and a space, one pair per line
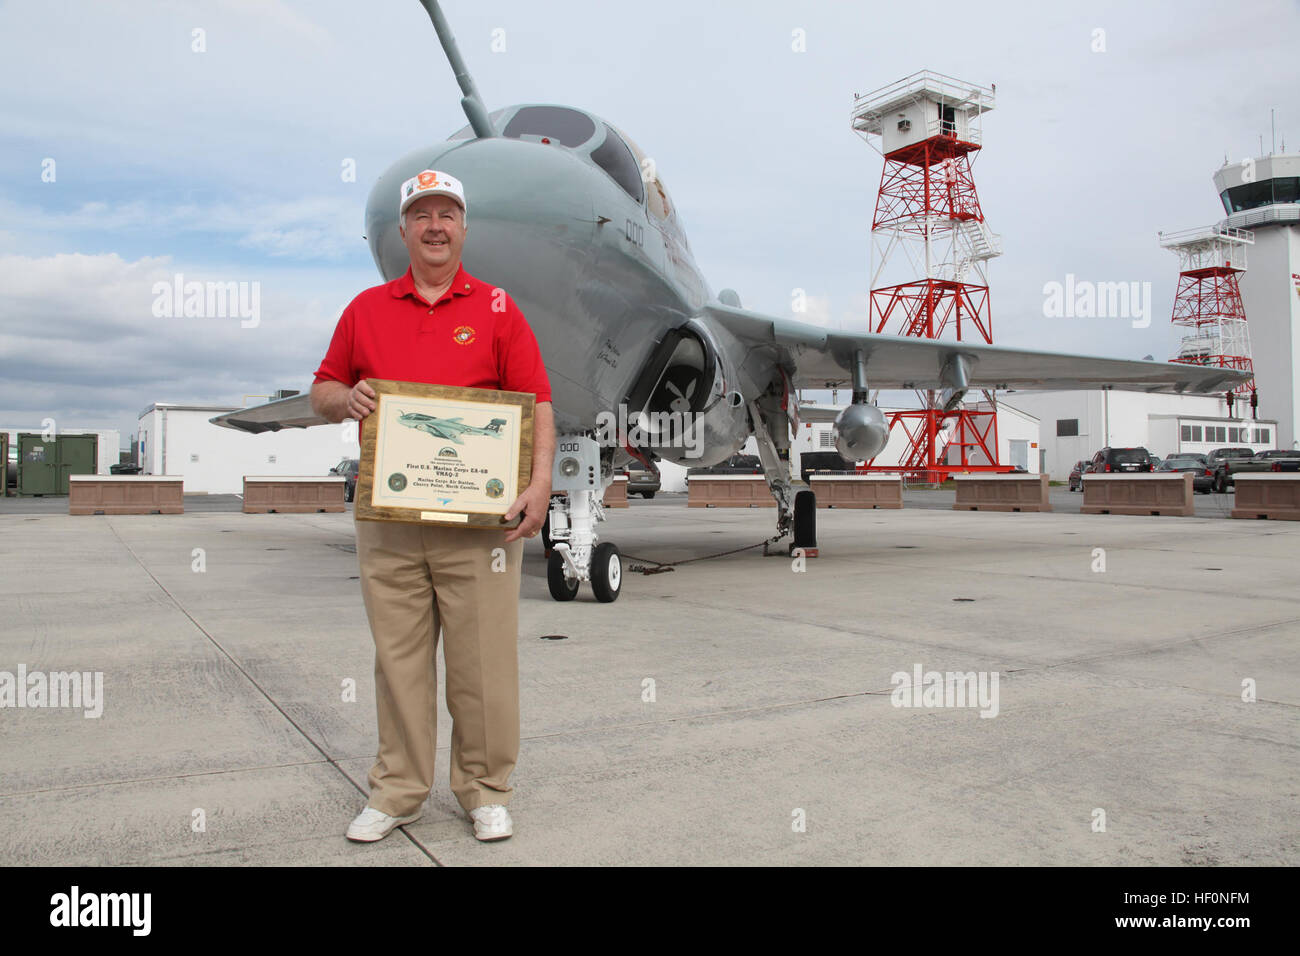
449, 428
571, 217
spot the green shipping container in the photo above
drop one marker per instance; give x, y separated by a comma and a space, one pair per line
44, 466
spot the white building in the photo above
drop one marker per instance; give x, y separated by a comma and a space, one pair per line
1263, 195
1078, 424
179, 440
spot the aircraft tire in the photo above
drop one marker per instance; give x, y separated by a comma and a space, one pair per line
562, 589
805, 520
606, 572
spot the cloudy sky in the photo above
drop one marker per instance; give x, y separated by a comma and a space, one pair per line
128, 157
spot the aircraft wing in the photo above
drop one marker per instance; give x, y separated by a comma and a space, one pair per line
817, 357
292, 412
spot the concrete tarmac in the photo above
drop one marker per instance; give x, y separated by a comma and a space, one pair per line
734, 711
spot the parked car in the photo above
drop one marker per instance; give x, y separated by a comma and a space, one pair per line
124, 468
641, 480
735, 465
1076, 475
1219, 460
1280, 459
348, 468
1202, 476
1275, 459
1120, 460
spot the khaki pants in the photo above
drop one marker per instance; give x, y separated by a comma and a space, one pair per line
416, 579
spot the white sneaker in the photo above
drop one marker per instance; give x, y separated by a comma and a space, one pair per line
492, 822
371, 825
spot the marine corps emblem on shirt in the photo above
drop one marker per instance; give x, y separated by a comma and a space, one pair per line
463, 335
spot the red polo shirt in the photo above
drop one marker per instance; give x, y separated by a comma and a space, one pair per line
474, 336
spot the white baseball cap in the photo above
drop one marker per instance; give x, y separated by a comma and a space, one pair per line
430, 182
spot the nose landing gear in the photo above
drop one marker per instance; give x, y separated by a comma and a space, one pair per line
570, 532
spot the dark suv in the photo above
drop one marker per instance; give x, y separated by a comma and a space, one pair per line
348, 469
1120, 461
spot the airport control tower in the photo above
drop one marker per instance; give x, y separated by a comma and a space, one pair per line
1262, 194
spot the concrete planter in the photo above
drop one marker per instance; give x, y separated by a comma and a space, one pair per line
1001, 493
293, 495
126, 495
1267, 496
1144, 494
728, 491
857, 491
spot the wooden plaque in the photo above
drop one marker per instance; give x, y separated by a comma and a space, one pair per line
444, 455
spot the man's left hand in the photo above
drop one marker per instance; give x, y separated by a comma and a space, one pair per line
533, 503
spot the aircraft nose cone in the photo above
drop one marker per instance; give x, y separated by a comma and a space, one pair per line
517, 193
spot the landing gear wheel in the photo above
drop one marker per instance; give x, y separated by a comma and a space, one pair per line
606, 572
562, 588
805, 520
547, 544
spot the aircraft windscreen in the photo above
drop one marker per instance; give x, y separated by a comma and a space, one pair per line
569, 127
615, 158
657, 199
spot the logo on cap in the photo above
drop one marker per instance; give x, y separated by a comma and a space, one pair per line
430, 181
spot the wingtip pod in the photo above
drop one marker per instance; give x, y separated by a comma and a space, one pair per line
471, 102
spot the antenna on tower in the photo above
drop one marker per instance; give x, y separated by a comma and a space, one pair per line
1272, 119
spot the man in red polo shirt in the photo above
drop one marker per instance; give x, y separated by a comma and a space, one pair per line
438, 324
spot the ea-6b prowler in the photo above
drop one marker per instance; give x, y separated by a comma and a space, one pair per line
449, 428
572, 218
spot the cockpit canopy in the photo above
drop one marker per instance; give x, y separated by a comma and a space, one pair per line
608, 147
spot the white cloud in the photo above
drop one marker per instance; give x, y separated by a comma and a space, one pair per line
308, 228
80, 338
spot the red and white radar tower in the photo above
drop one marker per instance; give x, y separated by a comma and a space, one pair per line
928, 228
1208, 300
